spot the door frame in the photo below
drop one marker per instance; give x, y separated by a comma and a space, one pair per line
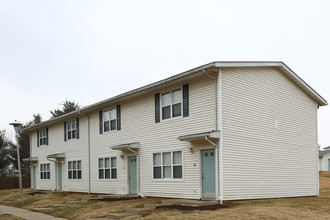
201, 171
137, 173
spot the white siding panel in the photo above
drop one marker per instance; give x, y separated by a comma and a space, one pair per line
324, 163
138, 125
260, 161
75, 149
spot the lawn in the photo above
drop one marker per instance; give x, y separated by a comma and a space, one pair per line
286, 208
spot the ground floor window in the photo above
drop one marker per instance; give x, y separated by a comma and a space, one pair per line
45, 171
107, 168
167, 165
74, 169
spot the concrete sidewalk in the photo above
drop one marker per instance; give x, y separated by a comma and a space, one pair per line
27, 214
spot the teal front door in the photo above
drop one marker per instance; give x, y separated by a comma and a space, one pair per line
208, 173
34, 177
59, 176
328, 164
132, 175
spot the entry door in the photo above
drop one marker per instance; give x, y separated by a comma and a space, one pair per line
34, 177
132, 175
208, 173
59, 176
328, 164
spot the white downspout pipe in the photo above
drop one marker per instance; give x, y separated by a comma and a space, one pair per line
89, 152
55, 162
217, 150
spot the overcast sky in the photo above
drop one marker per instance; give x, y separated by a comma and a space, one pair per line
88, 51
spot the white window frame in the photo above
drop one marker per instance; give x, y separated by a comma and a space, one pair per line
110, 157
172, 165
44, 170
74, 169
42, 137
73, 131
110, 119
171, 105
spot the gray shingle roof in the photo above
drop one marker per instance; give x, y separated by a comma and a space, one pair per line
324, 152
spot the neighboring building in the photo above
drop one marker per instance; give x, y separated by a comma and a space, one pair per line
324, 160
224, 130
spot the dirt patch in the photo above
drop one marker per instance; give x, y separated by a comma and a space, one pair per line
192, 208
35, 193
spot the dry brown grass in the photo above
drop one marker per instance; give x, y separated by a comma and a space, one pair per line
286, 208
9, 217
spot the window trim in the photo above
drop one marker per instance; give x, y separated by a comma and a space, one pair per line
81, 169
171, 105
67, 130
98, 168
103, 119
167, 151
42, 137
44, 171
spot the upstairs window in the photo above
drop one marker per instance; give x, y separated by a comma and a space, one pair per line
110, 120
167, 165
45, 171
74, 169
172, 104
42, 137
71, 130
107, 168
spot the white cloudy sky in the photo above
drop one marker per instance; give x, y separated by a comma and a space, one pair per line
88, 51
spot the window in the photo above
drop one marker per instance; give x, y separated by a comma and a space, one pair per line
42, 137
107, 168
74, 169
71, 129
45, 171
171, 104
110, 120
167, 165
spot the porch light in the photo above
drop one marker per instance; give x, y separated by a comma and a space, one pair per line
17, 126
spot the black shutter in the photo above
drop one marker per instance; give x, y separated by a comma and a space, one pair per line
46, 136
101, 121
77, 128
64, 131
157, 108
38, 138
185, 89
118, 118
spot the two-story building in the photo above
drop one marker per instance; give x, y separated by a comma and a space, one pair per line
224, 130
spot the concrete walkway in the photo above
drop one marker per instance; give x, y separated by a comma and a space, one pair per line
26, 214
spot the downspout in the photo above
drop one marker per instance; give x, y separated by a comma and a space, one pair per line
220, 141
130, 149
89, 152
56, 184
217, 150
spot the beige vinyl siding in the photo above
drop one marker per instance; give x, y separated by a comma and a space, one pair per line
75, 149
138, 125
323, 162
260, 161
